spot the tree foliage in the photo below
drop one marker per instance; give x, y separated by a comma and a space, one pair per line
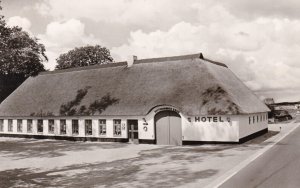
84, 56
21, 56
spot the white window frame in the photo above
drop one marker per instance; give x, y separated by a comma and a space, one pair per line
29, 125
10, 126
117, 128
63, 126
102, 127
40, 125
1, 125
19, 125
51, 127
73, 125
88, 128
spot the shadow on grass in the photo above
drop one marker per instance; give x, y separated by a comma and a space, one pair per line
121, 173
172, 178
26, 148
262, 138
161, 167
258, 142
25, 178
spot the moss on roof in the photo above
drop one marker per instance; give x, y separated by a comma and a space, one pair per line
194, 85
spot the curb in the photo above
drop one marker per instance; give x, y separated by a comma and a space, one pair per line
219, 181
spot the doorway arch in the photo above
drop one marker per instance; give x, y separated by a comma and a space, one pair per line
168, 129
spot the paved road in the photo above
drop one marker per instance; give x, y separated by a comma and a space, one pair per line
278, 167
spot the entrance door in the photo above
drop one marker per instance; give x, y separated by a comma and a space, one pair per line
168, 128
133, 131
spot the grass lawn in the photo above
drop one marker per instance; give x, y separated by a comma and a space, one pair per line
50, 163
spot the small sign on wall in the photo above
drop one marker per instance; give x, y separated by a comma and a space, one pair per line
165, 109
209, 119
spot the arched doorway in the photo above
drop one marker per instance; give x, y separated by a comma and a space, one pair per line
168, 128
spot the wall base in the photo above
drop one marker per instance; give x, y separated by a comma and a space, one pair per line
70, 138
143, 141
194, 142
241, 140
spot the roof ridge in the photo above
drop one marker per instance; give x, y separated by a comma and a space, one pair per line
107, 65
169, 58
215, 62
139, 61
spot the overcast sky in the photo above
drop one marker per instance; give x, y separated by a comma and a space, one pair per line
258, 40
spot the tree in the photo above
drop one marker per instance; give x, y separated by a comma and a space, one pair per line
21, 56
84, 56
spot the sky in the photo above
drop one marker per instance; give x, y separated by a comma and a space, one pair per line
258, 40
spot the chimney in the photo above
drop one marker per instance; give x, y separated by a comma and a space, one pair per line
130, 60
201, 56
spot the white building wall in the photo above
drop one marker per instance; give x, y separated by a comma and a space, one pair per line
14, 126
94, 128
109, 128
5, 123
124, 131
34, 126
210, 128
146, 128
247, 128
45, 127
81, 128
56, 127
24, 123
192, 129
69, 127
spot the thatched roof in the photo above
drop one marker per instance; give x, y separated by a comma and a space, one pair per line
192, 84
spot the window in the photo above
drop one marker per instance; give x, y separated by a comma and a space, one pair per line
261, 118
257, 119
29, 125
19, 125
51, 126
63, 126
253, 119
102, 127
88, 127
75, 127
117, 127
249, 120
10, 125
39, 125
1, 125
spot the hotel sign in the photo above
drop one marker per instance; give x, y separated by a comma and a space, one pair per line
209, 119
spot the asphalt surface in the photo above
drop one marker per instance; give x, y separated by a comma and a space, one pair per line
278, 167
